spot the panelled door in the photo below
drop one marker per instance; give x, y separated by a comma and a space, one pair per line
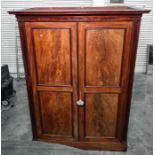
93, 72
104, 51
52, 61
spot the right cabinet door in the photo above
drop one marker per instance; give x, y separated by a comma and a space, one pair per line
104, 55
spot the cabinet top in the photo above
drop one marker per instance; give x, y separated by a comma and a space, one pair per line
107, 10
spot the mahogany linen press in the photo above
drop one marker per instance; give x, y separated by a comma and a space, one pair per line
79, 67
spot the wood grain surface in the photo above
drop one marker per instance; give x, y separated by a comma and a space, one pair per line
100, 115
104, 48
57, 113
80, 53
53, 58
52, 54
80, 10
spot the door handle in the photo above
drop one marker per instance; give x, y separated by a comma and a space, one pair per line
80, 102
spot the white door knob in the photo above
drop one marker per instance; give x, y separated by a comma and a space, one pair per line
80, 103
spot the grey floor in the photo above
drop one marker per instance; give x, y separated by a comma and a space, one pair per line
16, 127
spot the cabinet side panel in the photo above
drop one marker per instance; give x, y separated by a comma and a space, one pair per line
134, 45
23, 40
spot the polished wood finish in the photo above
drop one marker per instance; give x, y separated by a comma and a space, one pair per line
104, 49
80, 53
80, 10
52, 105
103, 45
53, 70
55, 55
100, 116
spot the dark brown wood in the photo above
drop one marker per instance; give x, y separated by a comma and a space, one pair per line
100, 116
103, 51
53, 68
80, 53
80, 10
21, 26
103, 45
57, 114
131, 74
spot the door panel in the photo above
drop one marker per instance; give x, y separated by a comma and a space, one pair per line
52, 54
56, 113
100, 115
103, 48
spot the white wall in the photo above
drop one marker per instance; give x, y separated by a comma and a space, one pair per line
8, 27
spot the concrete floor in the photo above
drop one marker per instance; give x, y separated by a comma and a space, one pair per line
17, 136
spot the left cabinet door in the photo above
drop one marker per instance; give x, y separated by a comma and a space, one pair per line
52, 64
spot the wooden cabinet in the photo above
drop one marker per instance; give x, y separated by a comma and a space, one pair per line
79, 65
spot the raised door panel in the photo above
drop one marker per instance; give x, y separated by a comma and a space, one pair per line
100, 115
53, 58
56, 113
52, 54
104, 48
104, 52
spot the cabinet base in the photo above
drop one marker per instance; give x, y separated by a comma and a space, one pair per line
107, 146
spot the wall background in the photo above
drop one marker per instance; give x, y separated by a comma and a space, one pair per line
10, 29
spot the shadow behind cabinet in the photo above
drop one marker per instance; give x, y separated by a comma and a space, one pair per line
79, 65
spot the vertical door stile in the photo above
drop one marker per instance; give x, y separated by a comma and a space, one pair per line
81, 80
